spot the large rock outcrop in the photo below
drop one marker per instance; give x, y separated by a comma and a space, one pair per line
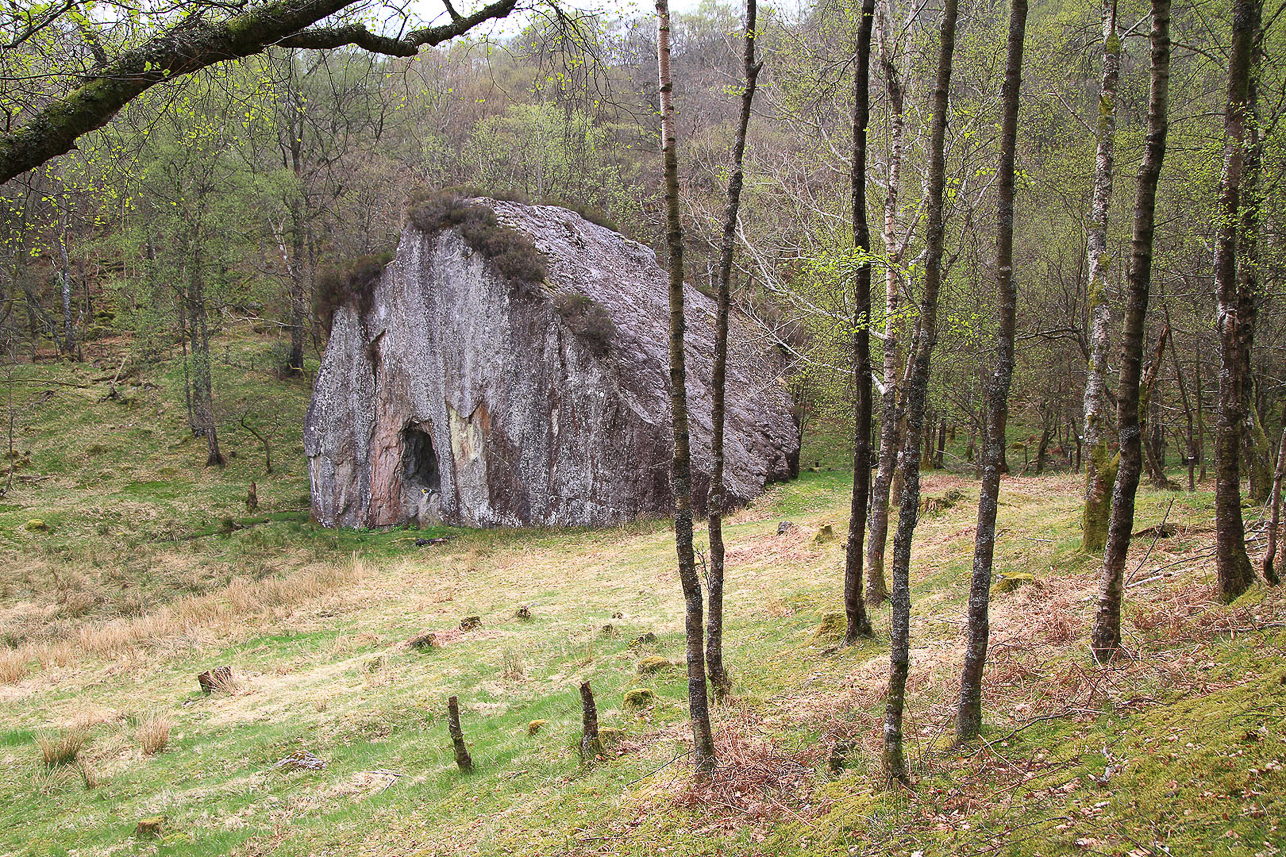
458, 396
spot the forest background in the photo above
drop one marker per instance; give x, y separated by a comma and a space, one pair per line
232, 193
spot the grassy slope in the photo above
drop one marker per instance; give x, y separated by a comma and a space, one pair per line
134, 588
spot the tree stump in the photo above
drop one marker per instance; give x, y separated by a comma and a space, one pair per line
218, 678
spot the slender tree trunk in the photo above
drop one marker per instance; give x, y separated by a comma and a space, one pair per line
969, 710
858, 623
1238, 222
199, 345
1156, 440
65, 281
891, 403
1190, 457
926, 453
1201, 411
1100, 471
714, 621
1270, 572
1106, 638
1147, 390
1259, 458
894, 755
299, 271
698, 700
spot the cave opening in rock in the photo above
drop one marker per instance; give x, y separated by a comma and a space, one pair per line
420, 460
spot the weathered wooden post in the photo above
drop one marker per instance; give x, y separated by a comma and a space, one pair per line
590, 745
462, 758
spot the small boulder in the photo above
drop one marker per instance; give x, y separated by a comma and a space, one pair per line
639, 697
523, 612
469, 623
1012, 580
535, 726
424, 642
150, 828
610, 737
219, 678
832, 625
786, 527
648, 639
653, 664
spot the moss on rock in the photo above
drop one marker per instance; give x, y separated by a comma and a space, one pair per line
653, 664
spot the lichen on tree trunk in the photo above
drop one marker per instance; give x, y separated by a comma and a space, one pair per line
681, 476
714, 504
1101, 470
1106, 637
894, 760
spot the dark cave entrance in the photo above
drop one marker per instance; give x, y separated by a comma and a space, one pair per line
420, 460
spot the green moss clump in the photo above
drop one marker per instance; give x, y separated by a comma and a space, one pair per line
1100, 476
639, 697
653, 664
1010, 581
832, 624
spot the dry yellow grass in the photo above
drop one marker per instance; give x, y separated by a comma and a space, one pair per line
153, 732
61, 747
13, 666
194, 619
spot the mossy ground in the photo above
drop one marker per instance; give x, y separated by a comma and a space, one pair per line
137, 586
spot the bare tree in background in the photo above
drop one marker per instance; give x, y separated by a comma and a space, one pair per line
969, 710
858, 624
718, 377
1100, 470
894, 755
1235, 280
694, 626
1106, 639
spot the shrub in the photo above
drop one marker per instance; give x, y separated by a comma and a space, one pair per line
153, 732
60, 748
513, 254
354, 286
587, 320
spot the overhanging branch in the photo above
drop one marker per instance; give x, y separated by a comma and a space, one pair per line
196, 44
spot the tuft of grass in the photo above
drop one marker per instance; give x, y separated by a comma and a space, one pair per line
60, 748
153, 732
13, 666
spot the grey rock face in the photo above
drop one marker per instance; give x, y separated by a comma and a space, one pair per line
460, 398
